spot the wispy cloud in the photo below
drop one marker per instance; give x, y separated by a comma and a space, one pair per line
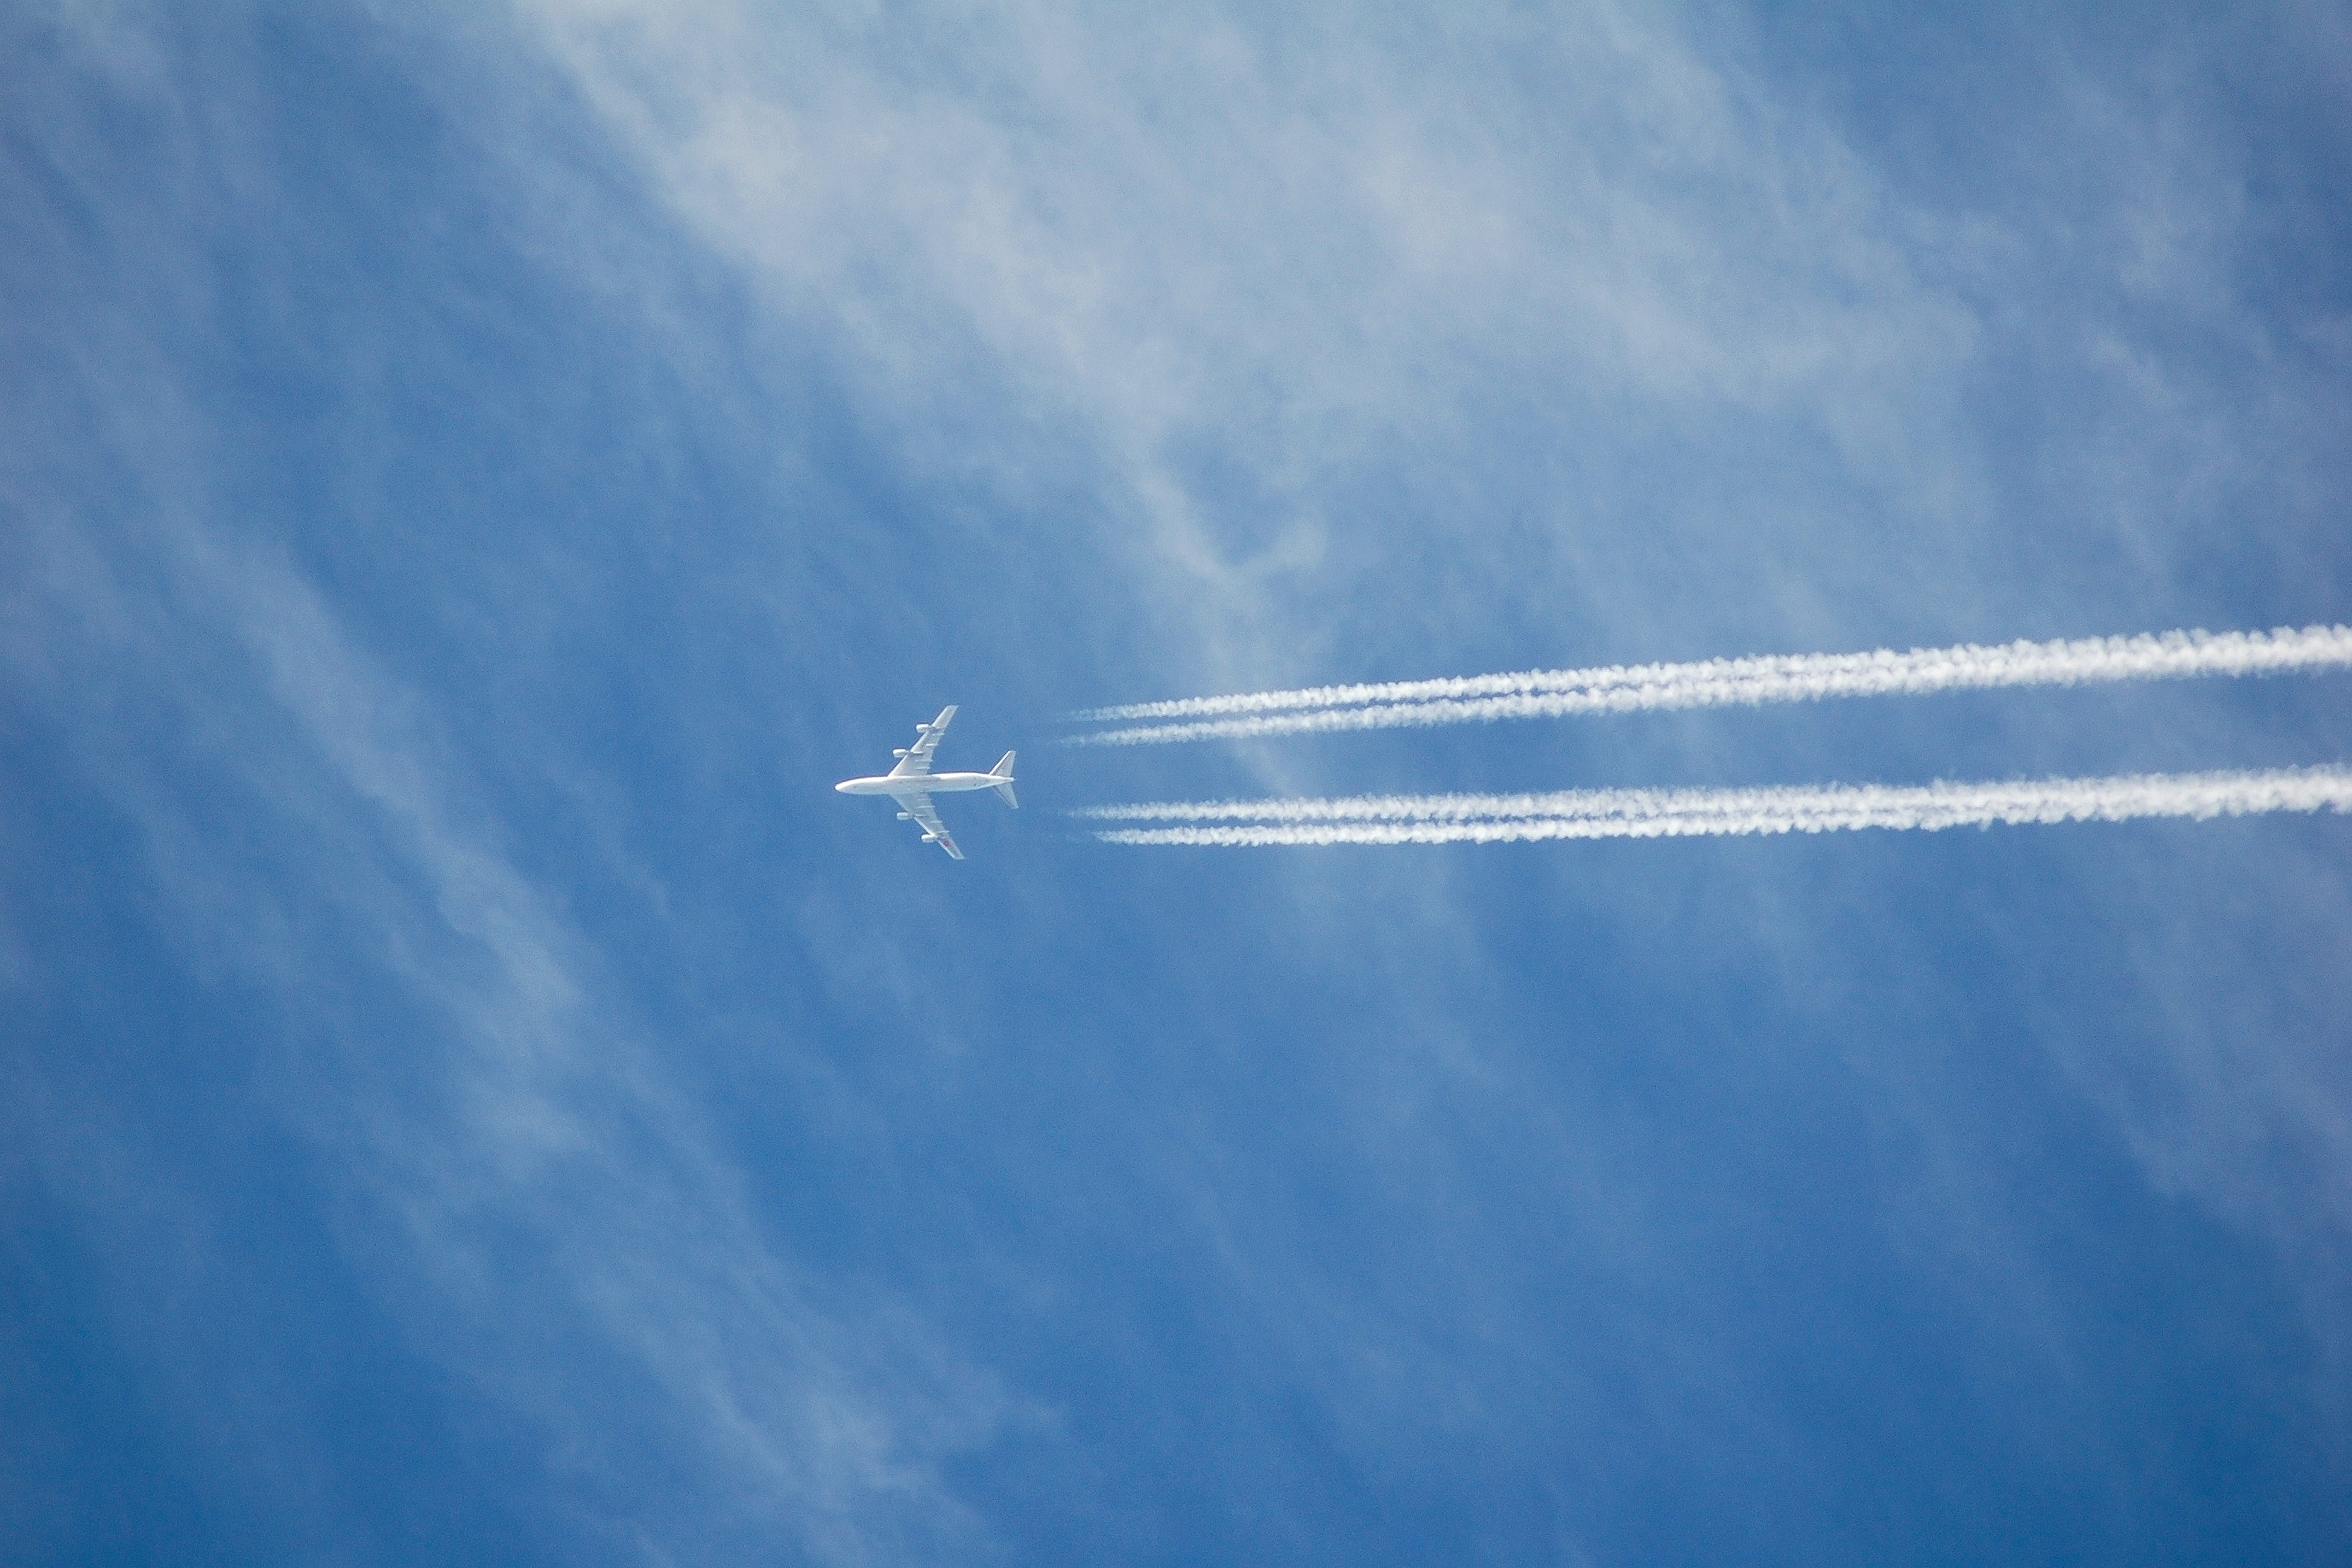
558, 1212
1722, 682
1235, 290
1679, 813
516, 1168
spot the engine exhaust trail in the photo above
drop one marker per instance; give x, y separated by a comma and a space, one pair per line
1674, 813
1781, 677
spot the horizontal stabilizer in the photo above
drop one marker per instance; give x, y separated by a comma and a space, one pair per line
1003, 771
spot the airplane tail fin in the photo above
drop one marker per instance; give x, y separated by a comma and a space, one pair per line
1003, 770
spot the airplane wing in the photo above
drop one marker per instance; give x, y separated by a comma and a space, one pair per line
917, 760
918, 806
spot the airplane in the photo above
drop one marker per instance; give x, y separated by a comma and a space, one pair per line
912, 784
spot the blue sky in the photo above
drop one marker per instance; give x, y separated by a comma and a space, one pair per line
473, 478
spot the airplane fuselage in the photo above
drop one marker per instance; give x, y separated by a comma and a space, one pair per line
920, 783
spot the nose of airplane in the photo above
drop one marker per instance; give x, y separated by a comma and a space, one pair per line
843, 787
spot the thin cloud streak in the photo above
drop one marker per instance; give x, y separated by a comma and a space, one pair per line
1678, 814
1722, 682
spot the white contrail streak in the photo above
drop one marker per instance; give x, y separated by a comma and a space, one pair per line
1781, 677
1674, 813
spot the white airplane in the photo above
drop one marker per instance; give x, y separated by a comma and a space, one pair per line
912, 784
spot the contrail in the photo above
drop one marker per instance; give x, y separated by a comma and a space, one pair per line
1781, 677
1674, 813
